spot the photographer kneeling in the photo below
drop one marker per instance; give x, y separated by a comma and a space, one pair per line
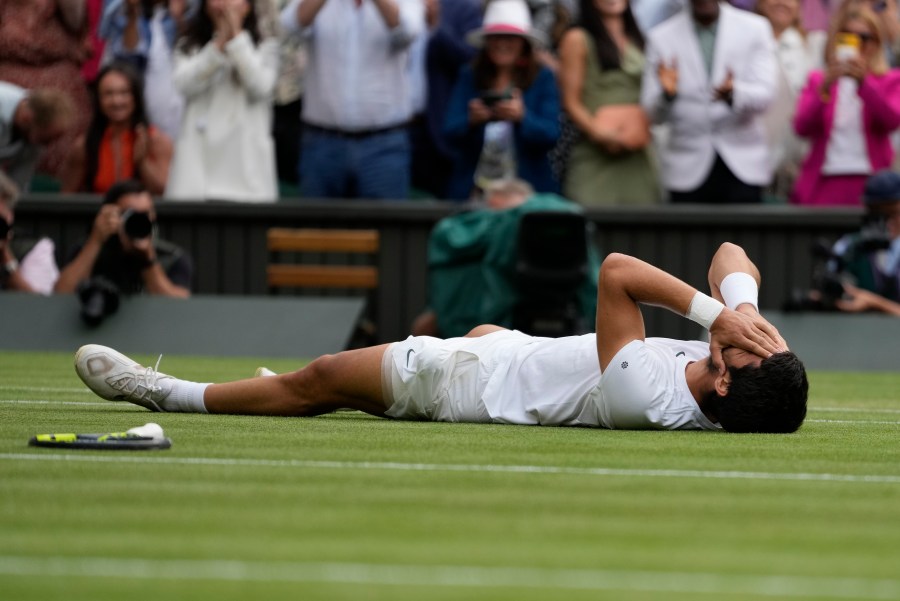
123, 255
872, 255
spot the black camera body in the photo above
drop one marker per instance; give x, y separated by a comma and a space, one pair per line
99, 299
831, 269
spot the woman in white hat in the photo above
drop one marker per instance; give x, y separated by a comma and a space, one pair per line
600, 67
503, 115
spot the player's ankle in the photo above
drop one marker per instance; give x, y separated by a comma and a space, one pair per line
185, 397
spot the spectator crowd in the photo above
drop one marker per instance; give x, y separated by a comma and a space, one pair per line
605, 102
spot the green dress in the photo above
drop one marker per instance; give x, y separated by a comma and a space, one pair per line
593, 176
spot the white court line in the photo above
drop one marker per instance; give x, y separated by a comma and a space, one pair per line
48, 402
855, 410
451, 467
455, 576
851, 421
45, 389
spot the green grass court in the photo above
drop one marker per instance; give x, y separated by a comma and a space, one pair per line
346, 506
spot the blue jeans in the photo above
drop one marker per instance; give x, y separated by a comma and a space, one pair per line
335, 166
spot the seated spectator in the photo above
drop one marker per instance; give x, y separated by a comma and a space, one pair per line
226, 71
710, 75
601, 63
123, 249
798, 53
847, 113
120, 144
503, 115
871, 257
36, 271
472, 262
30, 121
42, 47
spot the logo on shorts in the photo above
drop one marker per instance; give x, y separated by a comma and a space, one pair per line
408, 353
624, 364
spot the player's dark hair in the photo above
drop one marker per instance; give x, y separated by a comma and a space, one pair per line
123, 188
770, 398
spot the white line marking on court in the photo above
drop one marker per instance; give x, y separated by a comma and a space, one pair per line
851, 421
855, 409
455, 576
451, 467
46, 389
48, 402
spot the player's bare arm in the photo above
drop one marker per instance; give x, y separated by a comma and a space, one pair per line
626, 282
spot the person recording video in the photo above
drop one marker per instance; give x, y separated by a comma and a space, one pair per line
123, 255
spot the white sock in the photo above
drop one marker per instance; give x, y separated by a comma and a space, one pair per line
185, 397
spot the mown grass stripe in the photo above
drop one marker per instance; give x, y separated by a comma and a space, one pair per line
454, 576
438, 467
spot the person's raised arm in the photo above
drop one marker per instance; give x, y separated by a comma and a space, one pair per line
735, 280
625, 282
307, 11
106, 224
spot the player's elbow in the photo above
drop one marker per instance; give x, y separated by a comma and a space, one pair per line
612, 269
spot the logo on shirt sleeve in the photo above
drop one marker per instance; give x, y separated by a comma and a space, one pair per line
679, 354
624, 364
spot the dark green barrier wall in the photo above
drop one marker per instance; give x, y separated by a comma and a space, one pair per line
227, 242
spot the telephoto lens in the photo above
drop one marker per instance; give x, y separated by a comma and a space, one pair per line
137, 225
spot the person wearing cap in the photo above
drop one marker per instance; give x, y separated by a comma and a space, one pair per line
503, 114
357, 105
863, 256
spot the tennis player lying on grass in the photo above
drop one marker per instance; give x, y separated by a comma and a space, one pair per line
743, 380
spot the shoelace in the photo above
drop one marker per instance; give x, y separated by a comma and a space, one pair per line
145, 385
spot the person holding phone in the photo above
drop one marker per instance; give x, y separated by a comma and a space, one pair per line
503, 114
847, 112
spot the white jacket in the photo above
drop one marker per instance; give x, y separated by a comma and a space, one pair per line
225, 149
699, 126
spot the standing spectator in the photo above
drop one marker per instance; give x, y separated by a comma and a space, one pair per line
226, 71
288, 104
124, 251
446, 54
36, 271
798, 52
93, 44
42, 45
650, 13
357, 106
600, 78
711, 73
120, 143
503, 115
143, 33
30, 121
848, 113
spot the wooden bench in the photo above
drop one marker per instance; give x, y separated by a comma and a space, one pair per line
315, 243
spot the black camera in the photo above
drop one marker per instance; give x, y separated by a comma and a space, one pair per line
137, 225
99, 299
831, 268
491, 97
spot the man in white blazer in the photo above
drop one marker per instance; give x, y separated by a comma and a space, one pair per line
710, 75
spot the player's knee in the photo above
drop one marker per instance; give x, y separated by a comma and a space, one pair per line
312, 385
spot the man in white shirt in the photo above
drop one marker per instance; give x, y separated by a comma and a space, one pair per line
357, 105
744, 380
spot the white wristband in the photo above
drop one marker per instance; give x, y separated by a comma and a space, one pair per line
738, 288
704, 310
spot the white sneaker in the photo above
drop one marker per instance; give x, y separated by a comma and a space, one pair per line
262, 372
115, 377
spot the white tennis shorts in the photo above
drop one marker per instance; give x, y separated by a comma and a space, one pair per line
427, 378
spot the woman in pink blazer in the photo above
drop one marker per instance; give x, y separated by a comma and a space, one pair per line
848, 113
